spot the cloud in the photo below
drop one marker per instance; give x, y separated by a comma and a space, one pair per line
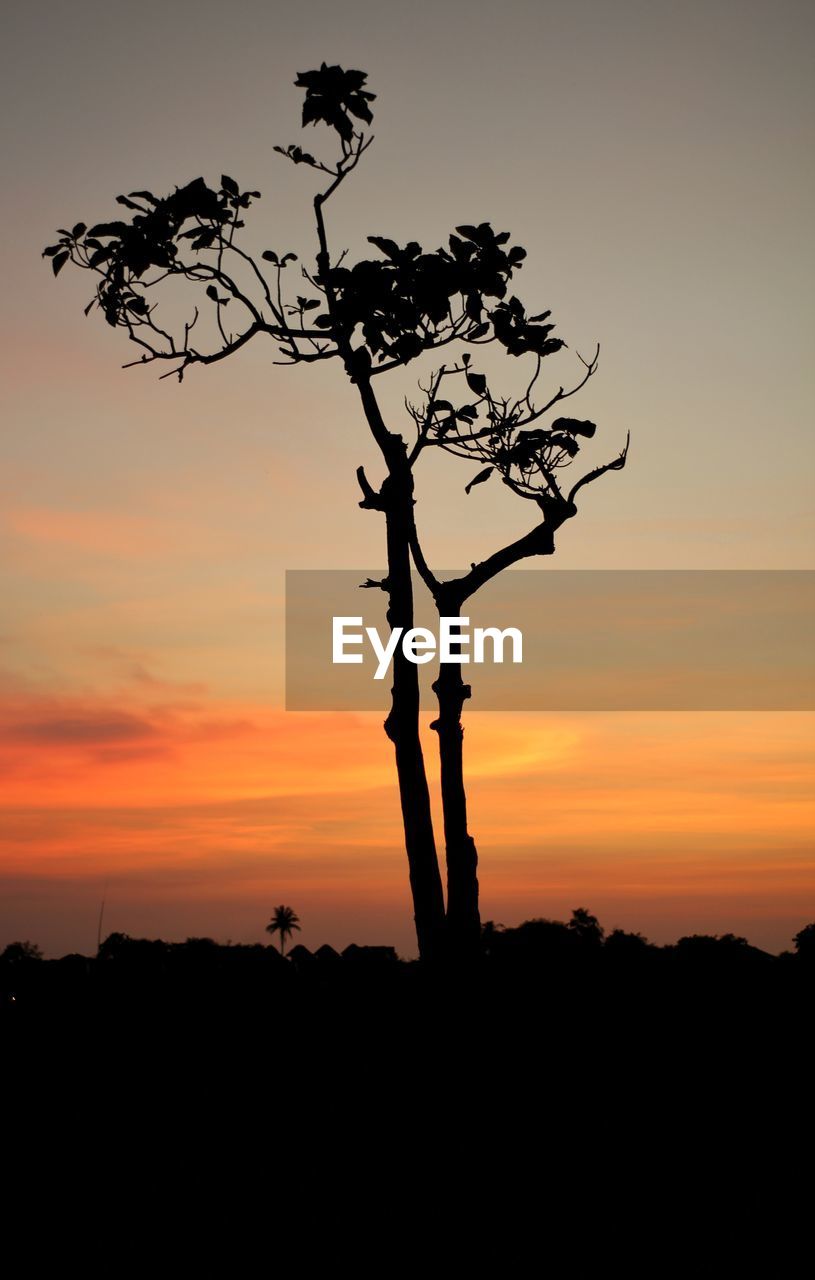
87, 729
99, 532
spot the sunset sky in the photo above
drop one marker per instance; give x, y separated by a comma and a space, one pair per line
655, 161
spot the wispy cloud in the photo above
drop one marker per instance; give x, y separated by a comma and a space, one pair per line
101, 533
87, 729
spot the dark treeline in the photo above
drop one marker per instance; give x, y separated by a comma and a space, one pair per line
546, 958
569, 1076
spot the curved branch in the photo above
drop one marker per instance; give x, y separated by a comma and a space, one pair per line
425, 572
540, 541
616, 465
561, 394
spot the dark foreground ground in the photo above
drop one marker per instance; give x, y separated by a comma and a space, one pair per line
566, 1105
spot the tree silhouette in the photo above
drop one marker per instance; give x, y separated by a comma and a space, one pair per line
804, 941
285, 922
376, 315
21, 953
496, 430
586, 927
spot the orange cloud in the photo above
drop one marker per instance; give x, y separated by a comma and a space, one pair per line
98, 532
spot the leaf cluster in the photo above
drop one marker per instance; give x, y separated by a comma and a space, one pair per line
332, 97
123, 252
409, 301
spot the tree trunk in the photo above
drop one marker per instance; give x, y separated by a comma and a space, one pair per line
402, 724
395, 499
463, 918
402, 727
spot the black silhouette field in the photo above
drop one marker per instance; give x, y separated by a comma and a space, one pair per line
594, 1088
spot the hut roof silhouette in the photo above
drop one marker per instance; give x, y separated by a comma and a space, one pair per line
369, 955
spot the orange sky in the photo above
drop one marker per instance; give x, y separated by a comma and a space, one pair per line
192, 814
648, 157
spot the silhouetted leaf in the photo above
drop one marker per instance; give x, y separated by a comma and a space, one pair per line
229, 184
212, 292
288, 257
108, 229
298, 155
389, 247
59, 261
575, 427
359, 107
270, 256
313, 110
477, 383
473, 307
331, 93
479, 479
551, 345
129, 204
565, 442
79, 230
407, 347
482, 235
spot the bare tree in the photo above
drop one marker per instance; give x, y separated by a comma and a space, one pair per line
174, 275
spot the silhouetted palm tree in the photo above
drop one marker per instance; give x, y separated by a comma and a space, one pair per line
285, 922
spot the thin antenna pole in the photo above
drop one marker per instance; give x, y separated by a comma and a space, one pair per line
101, 917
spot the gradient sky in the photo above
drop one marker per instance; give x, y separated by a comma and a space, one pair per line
656, 163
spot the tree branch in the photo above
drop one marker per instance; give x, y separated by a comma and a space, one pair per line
616, 465
540, 541
425, 572
371, 499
